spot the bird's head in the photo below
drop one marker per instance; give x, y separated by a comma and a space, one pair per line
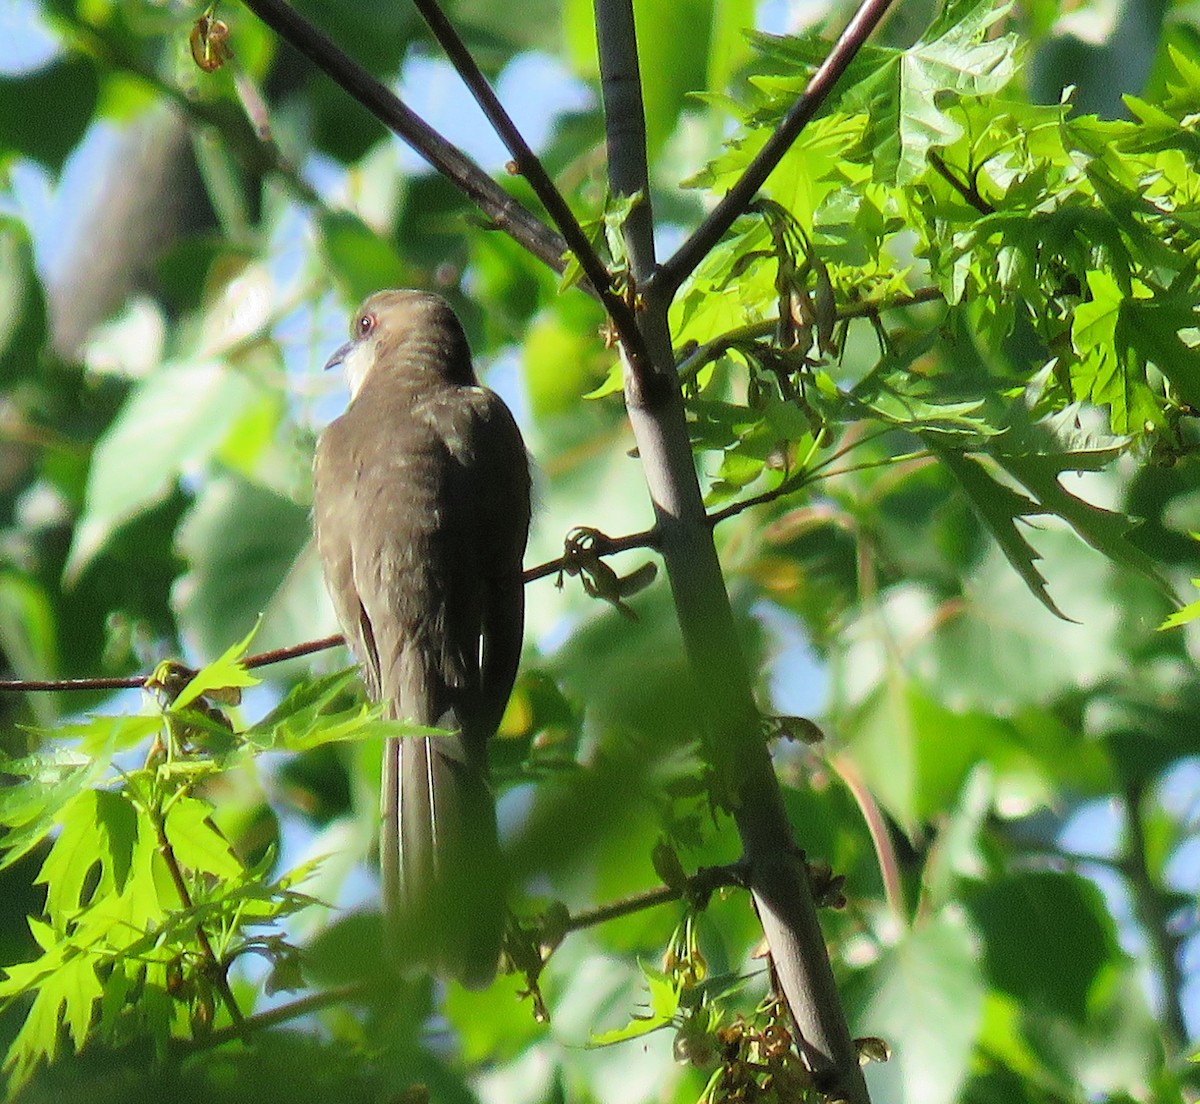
410, 333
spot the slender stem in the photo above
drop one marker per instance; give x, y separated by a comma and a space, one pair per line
698, 357
704, 880
216, 968
735, 202
968, 190
293, 1010
1148, 903
520, 224
530, 167
881, 838
293, 651
603, 546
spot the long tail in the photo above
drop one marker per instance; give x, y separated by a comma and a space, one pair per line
442, 880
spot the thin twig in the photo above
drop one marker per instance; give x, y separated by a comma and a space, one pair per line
293, 1010
215, 967
735, 202
704, 881
881, 839
530, 167
967, 189
603, 546
506, 212
696, 358
293, 651
1147, 897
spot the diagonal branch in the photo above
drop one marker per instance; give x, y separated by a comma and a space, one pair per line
531, 168
677, 269
509, 215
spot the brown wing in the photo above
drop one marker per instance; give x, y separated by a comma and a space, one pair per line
501, 531
335, 480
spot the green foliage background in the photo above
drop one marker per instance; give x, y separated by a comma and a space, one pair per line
974, 437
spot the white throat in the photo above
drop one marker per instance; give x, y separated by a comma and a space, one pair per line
357, 364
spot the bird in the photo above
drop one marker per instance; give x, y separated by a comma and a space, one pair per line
421, 512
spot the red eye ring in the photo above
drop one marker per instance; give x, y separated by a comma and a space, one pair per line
365, 324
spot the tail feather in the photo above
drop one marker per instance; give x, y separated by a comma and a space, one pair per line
440, 856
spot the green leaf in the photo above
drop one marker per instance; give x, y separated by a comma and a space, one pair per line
197, 843
614, 383
907, 97
673, 49
1107, 373
50, 782
65, 870
223, 673
117, 829
1001, 507
174, 421
361, 260
250, 559
1107, 531
304, 702
22, 303
665, 993
924, 996
1026, 919
1182, 616
66, 91
1153, 327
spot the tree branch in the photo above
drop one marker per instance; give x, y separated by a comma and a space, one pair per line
746, 779
1148, 904
625, 127
697, 357
702, 883
968, 190
601, 546
677, 269
293, 1010
509, 215
530, 167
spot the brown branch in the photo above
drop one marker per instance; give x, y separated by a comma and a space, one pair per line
603, 545
530, 167
735, 202
702, 884
293, 651
505, 211
885, 852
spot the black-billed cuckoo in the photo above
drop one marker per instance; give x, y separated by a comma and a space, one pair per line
421, 509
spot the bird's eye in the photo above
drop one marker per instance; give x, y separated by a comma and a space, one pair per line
365, 324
